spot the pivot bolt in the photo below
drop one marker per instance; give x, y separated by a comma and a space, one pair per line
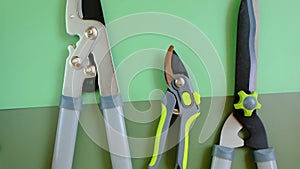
90, 70
91, 33
248, 103
179, 82
76, 62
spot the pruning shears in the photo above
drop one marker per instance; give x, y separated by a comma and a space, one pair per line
245, 114
90, 56
180, 99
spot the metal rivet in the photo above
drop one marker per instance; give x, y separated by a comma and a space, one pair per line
250, 103
179, 82
90, 70
91, 33
176, 112
76, 62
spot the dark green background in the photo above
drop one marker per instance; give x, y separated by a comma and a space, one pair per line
27, 136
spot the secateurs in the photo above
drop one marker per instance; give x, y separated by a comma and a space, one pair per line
244, 114
180, 99
90, 57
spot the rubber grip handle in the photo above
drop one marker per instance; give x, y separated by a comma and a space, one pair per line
65, 139
220, 163
222, 157
167, 106
183, 147
117, 138
160, 138
265, 158
267, 165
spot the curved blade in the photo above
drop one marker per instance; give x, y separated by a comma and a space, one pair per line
246, 59
229, 135
246, 63
173, 65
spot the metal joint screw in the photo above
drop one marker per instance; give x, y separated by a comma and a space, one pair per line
91, 33
90, 70
76, 62
250, 102
176, 112
179, 82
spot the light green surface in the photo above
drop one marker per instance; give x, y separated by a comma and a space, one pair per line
27, 136
33, 47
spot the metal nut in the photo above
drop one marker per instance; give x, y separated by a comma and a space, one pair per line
90, 70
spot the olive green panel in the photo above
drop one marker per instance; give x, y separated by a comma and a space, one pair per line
27, 136
33, 47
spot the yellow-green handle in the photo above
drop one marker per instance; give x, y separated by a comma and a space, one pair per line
160, 138
167, 106
183, 147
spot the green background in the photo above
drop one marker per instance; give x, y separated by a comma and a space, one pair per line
33, 49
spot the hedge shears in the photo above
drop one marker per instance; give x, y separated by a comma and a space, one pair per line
245, 114
181, 100
90, 56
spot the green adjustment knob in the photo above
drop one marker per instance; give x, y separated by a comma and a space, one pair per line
247, 102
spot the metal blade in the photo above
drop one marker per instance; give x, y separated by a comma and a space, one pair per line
257, 134
246, 59
91, 9
173, 65
229, 134
246, 65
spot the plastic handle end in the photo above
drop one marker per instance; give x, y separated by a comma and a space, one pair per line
265, 158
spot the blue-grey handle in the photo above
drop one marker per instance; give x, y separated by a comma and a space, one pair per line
222, 157
65, 139
66, 132
265, 158
117, 138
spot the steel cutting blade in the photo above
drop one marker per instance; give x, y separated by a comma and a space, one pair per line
173, 65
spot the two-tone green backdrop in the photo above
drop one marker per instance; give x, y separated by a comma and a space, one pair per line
33, 49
